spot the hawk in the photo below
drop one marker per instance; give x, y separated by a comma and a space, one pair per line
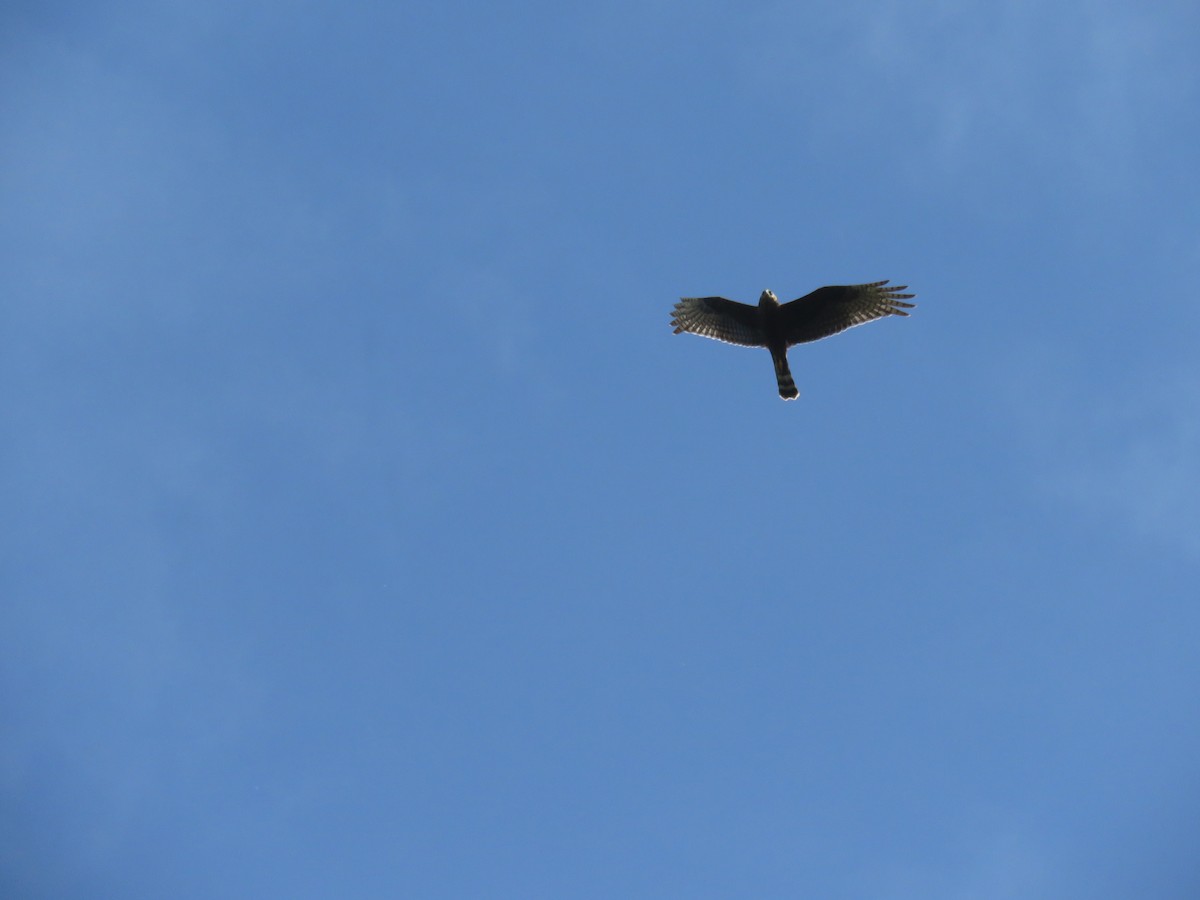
777, 326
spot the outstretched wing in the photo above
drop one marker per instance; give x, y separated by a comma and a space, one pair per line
829, 310
721, 319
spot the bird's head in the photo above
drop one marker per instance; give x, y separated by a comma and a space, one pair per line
768, 298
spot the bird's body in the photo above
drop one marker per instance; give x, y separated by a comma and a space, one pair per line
777, 326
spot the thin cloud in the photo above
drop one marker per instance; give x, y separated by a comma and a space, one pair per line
1064, 88
1125, 455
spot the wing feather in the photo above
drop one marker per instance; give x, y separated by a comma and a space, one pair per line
829, 310
719, 319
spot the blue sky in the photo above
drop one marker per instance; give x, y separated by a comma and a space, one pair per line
368, 534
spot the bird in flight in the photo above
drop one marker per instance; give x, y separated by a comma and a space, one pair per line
777, 326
